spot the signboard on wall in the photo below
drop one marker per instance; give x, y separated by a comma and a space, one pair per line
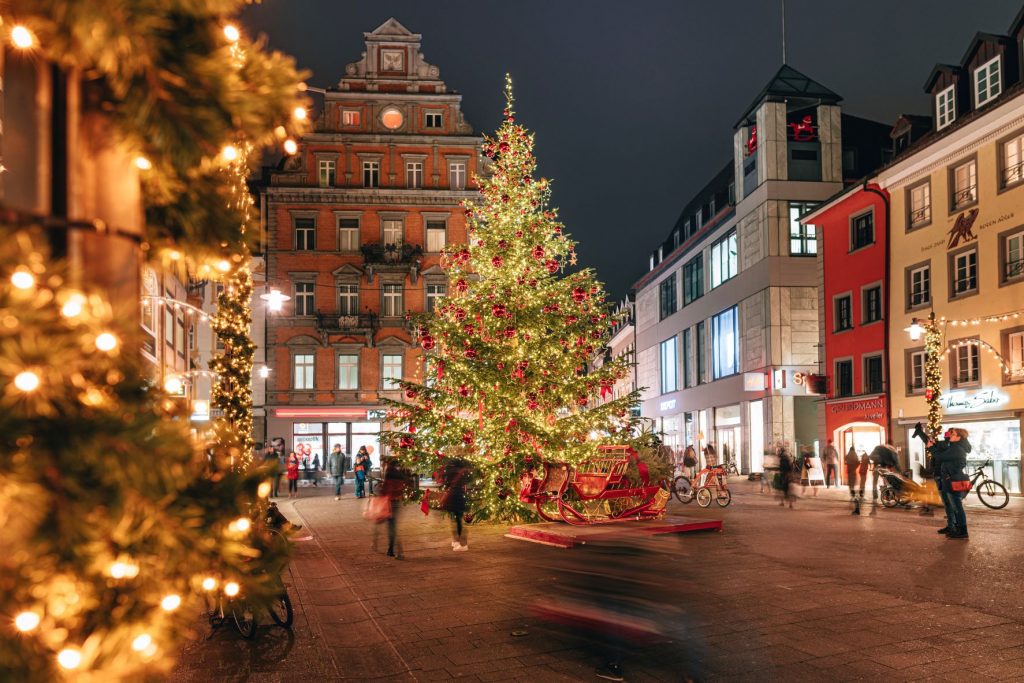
984, 399
863, 410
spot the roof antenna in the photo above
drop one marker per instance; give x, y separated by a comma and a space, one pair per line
783, 32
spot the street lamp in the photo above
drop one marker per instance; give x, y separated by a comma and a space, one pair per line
932, 368
275, 299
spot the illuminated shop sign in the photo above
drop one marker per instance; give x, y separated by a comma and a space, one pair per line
667, 405
972, 401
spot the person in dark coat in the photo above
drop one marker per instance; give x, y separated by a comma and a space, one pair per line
393, 482
949, 458
787, 469
456, 472
831, 465
852, 465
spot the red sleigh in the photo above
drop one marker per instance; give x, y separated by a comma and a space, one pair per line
596, 491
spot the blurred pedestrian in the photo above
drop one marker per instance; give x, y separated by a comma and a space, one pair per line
455, 474
812, 473
862, 472
336, 465
787, 472
852, 464
949, 459
690, 460
831, 465
770, 476
316, 469
362, 467
292, 468
710, 455
394, 479
277, 447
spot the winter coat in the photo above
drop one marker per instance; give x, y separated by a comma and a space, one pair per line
949, 459
293, 467
455, 474
336, 462
862, 468
831, 456
393, 481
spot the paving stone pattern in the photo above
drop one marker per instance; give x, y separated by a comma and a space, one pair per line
809, 594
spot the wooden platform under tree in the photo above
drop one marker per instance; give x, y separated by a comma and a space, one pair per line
566, 535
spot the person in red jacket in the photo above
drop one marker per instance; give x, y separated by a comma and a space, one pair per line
292, 470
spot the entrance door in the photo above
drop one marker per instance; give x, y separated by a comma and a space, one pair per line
862, 436
729, 440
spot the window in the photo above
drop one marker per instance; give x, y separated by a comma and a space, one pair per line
1015, 355
915, 370
348, 299
862, 230
392, 231
457, 175
305, 234
350, 117
844, 313
414, 174
667, 296
1013, 161
436, 236
305, 300
725, 343
702, 365
920, 205
391, 304
873, 375
920, 289
669, 363
843, 378
435, 293
371, 174
348, 234
693, 279
967, 364
179, 335
987, 83
724, 262
391, 370
965, 185
327, 169
687, 350
1014, 265
945, 107
872, 304
803, 239
965, 273
302, 371
433, 119
348, 371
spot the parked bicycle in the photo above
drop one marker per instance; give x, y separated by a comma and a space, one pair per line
714, 477
897, 490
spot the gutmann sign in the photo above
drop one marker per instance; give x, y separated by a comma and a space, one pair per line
865, 410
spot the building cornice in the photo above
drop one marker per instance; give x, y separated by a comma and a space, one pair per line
321, 137
376, 196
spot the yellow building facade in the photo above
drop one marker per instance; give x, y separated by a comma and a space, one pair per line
956, 250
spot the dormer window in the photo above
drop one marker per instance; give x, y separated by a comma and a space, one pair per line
945, 107
987, 82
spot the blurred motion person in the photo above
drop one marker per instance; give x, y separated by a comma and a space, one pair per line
393, 482
831, 465
454, 479
852, 464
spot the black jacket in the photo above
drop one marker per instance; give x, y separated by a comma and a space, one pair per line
949, 459
884, 456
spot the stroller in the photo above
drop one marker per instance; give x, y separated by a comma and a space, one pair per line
899, 489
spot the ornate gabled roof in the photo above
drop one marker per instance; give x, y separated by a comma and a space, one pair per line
788, 84
393, 54
392, 29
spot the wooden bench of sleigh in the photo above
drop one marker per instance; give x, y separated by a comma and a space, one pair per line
596, 491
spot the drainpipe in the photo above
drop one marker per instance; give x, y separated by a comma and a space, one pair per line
885, 308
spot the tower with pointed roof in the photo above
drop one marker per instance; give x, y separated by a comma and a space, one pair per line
354, 226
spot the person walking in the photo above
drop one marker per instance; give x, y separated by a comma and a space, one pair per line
852, 465
292, 469
787, 472
393, 482
277, 448
831, 465
336, 465
812, 475
316, 469
362, 470
455, 474
950, 459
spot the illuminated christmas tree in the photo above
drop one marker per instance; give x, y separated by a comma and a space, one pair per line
506, 381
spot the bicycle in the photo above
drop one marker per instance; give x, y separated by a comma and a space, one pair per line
991, 493
713, 477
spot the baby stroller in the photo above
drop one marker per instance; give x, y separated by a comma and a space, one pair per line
898, 489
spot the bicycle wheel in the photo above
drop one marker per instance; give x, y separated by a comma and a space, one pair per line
281, 610
889, 498
682, 489
992, 494
245, 618
723, 498
704, 497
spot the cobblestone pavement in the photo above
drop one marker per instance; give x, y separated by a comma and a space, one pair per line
811, 593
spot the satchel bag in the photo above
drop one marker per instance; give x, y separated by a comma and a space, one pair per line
960, 486
378, 509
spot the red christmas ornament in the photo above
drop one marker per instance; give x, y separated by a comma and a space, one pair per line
538, 252
460, 314
503, 147
552, 265
405, 442
427, 342
579, 295
928, 393
510, 332
531, 402
499, 310
463, 390
410, 393
471, 353
497, 261
467, 438
461, 285
502, 244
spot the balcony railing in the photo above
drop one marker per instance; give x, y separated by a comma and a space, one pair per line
1014, 269
962, 198
363, 323
922, 216
380, 257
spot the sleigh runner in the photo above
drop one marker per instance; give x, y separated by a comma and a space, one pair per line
597, 490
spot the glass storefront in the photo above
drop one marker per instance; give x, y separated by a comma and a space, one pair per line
757, 444
309, 439
728, 435
995, 440
863, 436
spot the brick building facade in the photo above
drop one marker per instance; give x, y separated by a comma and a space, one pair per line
354, 224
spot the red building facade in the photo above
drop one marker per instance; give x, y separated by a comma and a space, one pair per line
354, 226
852, 229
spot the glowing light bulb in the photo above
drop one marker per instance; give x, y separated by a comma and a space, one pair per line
26, 621
229, 153
232, 33
240, 525
209, 583
264, 372
26, 381
290, 147
72, 308
263, 490
300, 113
141, 642
22, 37
106, 342
173, 385
23, 279
231, 589
143, 164
171, 602
69, 658
224, 265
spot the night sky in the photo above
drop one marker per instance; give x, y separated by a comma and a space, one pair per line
633, 103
